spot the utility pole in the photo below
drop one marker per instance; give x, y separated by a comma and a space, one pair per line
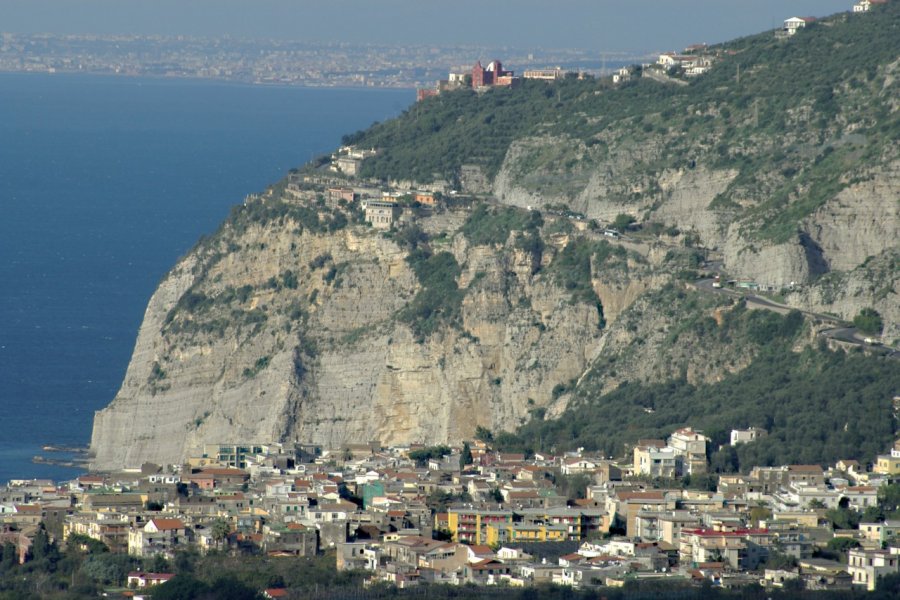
739, 74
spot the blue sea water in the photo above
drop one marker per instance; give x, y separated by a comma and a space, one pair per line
104, 183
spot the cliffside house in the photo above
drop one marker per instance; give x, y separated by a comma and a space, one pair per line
381, 213
792, 25
493, 74
866, 5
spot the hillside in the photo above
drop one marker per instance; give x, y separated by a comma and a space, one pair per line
784, 158
298, 321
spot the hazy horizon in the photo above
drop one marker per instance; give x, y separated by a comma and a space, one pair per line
639, 26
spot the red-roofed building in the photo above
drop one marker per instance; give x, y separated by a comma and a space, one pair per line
158, 536
139, 580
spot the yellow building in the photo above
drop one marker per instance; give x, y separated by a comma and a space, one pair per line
469, 525
525, 532
888, 464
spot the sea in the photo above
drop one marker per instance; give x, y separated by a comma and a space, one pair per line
104, 183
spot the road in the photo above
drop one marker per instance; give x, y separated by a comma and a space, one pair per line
841, 330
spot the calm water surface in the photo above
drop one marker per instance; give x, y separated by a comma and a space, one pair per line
104, 183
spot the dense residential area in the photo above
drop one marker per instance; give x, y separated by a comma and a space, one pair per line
413, 516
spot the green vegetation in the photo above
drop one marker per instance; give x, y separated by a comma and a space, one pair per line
573, 268
868, 321
623, 222
440, 299
796, 119
817, 405
492, 225
423, 455
260, 364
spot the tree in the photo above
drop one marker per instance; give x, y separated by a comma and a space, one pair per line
889, 499
483, 434
622, 222
9, 558
220, 531
868, 321
842, 544
466, 458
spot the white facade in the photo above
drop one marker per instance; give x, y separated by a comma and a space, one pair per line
866, 566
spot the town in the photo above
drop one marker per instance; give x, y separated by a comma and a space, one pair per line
418, 515
267, 62
476, 513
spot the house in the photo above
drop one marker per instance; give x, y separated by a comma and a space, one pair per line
485, 572
158, 536
140, 580
426, 198
334, 195
742, 549
745, 436
866, 566
792, 25
381, 213
653, 458
691, 446
888, 464
860, 497
866, 5
621, 75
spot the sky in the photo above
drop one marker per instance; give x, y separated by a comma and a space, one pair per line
634, 26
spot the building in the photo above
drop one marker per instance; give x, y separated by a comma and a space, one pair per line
334, 195
745, 436
690, 445
621, 75
231, 455
866, 566
140, 580
654, 459
158, 536
866, 5
794, 24
888, 464
381, 213
492, 75
544, 74
422, 93
469, 525
743, 549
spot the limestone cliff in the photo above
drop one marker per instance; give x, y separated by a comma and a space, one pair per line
271, 330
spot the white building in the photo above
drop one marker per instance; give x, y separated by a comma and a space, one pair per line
866, 5
745, 436
792, 25
866, 566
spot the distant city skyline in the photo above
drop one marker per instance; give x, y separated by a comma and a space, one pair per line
635, 26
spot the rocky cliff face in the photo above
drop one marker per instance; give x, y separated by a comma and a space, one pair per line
273, 332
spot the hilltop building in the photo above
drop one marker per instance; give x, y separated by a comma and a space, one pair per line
492, 75
794, 24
